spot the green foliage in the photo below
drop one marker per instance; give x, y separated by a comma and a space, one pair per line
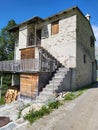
7, 40
69, 96
73, 95
2, 100
6, 80
54, 105
35, 115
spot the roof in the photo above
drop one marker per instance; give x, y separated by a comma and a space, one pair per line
37, 18
31, 20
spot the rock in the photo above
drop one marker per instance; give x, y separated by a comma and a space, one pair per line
33, 107
36, 106
25, 111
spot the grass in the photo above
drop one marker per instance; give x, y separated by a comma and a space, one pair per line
32, 116
74, 94
35, 115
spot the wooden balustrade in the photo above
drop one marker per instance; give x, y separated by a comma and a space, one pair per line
27, 65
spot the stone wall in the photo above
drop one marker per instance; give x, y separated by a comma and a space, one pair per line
43, 80
85, 69
62, 45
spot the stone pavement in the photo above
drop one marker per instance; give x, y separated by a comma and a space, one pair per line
11, 110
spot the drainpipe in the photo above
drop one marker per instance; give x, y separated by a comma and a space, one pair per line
35, 35
1, 85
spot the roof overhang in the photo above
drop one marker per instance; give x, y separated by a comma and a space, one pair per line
27, 22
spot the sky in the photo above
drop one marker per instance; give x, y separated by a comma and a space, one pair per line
21, 10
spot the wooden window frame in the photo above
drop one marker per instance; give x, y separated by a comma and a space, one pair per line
54, 27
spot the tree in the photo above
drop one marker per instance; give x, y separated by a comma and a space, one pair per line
7, 41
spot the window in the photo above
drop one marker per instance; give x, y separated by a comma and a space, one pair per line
54, 27
91, 41
17, 38
84, 58
30, 39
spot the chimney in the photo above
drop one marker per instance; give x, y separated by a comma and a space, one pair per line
88, 17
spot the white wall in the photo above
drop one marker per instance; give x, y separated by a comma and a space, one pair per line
22, 41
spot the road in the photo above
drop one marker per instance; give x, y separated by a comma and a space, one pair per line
79, 114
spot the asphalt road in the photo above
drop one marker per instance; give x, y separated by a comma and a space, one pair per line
79, 114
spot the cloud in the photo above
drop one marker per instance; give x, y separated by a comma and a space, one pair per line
95, 29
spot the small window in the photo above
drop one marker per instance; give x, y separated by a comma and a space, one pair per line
84, 58
91, 41
54, 27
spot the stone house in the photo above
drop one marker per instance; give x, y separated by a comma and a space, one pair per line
52, 55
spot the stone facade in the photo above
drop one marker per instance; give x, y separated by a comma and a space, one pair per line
65, 40
73, 45
86, 66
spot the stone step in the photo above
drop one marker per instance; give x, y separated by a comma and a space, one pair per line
55, 82
59, 73
57, 78
62, 69
50, 89
47, 93
51, 85
43, 98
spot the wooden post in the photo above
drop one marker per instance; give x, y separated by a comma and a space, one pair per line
35, 35
1, 79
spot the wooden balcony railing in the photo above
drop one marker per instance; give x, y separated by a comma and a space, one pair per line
27, 65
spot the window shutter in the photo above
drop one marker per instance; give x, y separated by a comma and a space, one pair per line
55, 28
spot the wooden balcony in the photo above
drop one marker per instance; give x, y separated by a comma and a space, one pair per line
27, 65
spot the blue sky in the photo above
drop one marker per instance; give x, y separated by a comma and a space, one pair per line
21, 10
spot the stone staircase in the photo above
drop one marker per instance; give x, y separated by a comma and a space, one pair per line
56, 85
